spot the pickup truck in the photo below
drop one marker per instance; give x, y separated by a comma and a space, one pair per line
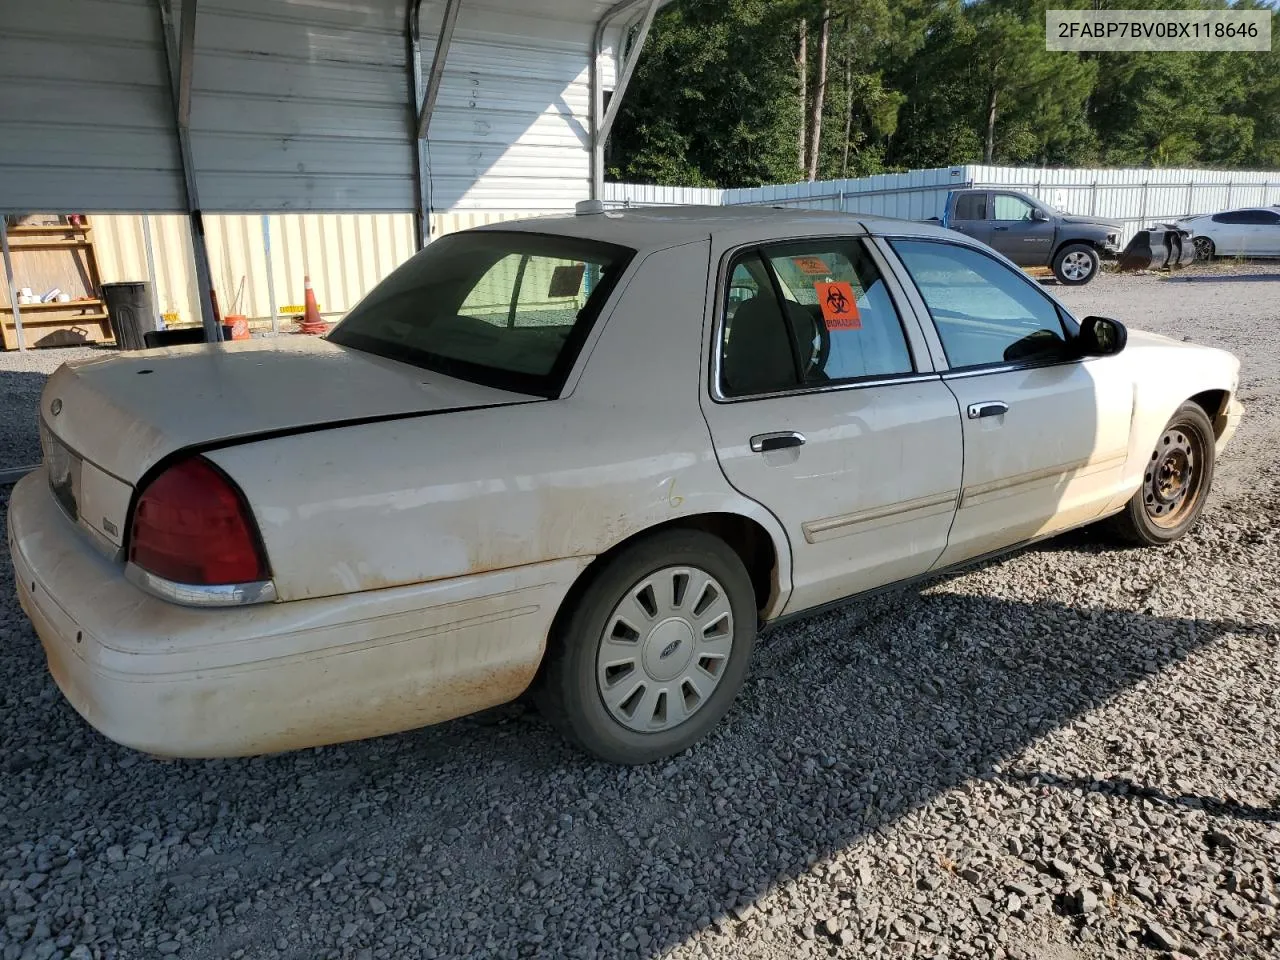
1031, 233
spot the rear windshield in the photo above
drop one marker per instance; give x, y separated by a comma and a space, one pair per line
505, 309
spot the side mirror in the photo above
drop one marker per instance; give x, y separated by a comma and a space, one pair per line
1039, 216
1102, 336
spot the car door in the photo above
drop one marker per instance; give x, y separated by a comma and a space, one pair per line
1046, 433
1227, 233
1262, 233
970, 215
823, 406
1014, 232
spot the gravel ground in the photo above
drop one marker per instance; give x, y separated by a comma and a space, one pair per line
1071, 753
22, 377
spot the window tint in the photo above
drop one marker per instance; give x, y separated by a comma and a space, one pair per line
839, 322
1255, 217
1009, 207
757, 354
509, 310
971, 206
984, 311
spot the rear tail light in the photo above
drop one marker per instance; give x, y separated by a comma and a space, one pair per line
192, 527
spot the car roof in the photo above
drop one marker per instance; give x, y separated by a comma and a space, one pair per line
655, 227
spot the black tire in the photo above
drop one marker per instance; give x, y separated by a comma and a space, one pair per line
1066, 260
1148, 518
1204, 248
568, 692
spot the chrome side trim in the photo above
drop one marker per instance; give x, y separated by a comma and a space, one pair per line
815, 531
831, 388
966, 372
196, 595
981, 492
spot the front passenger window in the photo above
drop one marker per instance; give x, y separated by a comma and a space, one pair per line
984, 312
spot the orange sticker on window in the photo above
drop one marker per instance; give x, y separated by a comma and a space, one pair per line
813, 266
839, 305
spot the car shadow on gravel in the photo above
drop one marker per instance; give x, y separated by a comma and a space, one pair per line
491, 836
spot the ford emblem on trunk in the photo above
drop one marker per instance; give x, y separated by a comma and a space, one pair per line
56, 407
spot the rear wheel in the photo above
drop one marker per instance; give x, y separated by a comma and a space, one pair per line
654, 650
1076, 263
1204, 248
1175, 484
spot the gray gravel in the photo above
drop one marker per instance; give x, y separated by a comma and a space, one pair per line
22, 377
1071, 753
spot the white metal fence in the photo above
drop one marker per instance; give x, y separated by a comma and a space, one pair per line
1132, 197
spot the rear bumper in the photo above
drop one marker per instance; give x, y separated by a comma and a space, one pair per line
178, 681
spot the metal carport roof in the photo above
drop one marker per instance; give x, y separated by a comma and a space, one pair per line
308, 105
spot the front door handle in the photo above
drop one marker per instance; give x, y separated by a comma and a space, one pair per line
987, 408
764, 442
999, 228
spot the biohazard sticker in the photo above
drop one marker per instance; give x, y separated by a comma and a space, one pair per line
839, 305
813, 266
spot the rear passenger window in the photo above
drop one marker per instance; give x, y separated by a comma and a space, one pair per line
808, 314
971, 206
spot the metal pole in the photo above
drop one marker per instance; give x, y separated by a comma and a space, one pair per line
1191, 203
151, 271
620, 88
181, 65
271, 276
1093, 199
436, 74
1230, 184
421, 159
1142, 211
13, 290
597, 93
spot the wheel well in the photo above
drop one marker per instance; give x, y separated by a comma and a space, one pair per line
1095, 247
750, 541
1212, 402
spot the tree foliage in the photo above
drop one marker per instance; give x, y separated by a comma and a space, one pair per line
720, 98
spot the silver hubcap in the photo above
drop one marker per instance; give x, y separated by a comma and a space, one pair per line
665, 649
1076, 266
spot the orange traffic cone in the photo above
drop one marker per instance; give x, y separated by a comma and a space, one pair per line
311, 321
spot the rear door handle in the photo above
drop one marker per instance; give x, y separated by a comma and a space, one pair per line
764, 442
987, 408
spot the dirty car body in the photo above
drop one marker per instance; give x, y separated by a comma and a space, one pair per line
273, 544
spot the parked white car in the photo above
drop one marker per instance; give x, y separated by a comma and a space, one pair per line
589, 455
1249, 232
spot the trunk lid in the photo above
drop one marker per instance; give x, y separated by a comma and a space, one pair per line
122, 414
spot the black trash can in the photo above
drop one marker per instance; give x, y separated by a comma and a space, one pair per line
130, 313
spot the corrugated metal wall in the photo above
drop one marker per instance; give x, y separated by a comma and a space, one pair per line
1134, 197
345, 255
296, 105
86, 119
302, 105
510, 129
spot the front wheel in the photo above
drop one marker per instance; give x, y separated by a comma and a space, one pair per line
653, 651
1076, 263
1175, 483
1204, 248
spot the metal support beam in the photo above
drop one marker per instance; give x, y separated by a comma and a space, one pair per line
600, 120
434, 76
633, 55
181, 58
13, 289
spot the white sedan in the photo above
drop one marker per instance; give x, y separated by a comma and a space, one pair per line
1251, 232
587, 456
